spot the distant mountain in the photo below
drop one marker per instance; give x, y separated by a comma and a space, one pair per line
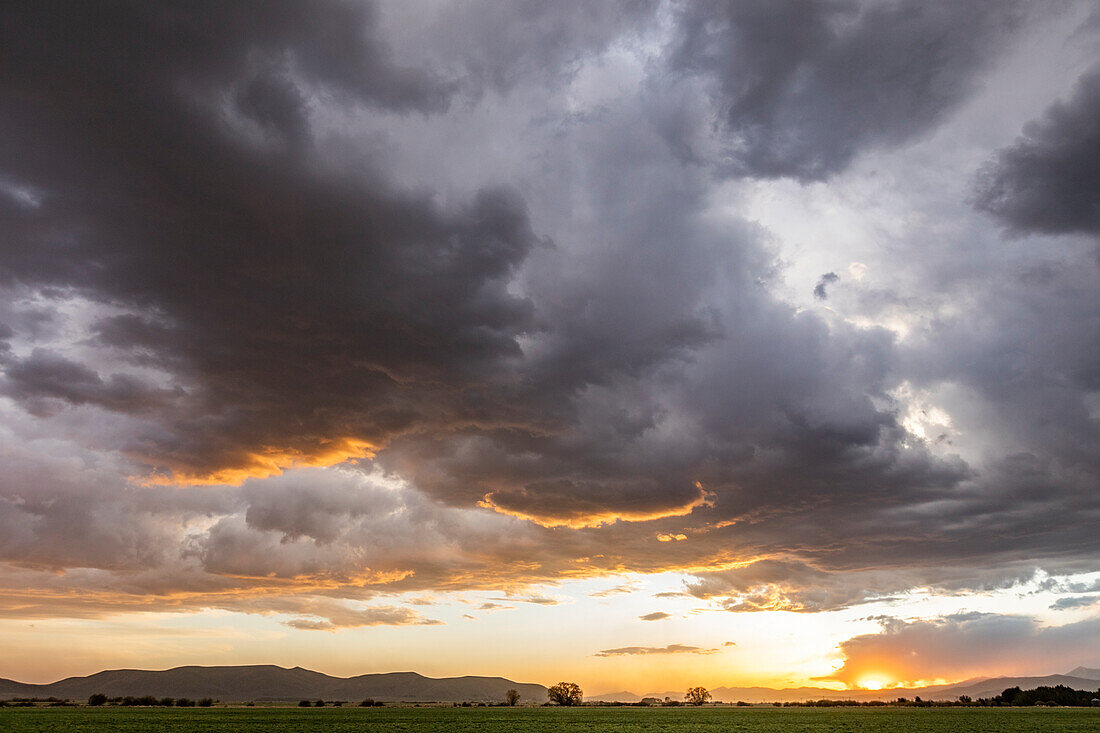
621, 696
997, 685
268, 682
975, 688
1086, 672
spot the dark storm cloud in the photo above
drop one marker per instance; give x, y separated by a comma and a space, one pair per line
282, 292
1049, 179
803, 87
208, 196
44, 377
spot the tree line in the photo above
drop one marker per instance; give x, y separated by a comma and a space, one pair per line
149, 701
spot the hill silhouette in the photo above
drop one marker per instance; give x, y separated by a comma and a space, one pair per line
269, 682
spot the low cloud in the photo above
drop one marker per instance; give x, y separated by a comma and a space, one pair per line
1063, 604
655, 616
327, 615
537, 600
489, 606
616, 590
627, 651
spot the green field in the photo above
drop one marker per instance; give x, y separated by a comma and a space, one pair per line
491, 720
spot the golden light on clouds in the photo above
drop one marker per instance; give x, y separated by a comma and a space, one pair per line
266, 463
580, 518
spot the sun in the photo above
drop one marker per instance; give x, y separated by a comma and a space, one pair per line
872, 684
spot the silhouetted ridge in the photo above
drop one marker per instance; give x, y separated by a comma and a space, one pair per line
269, 682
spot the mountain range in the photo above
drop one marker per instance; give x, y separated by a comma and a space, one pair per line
269, 682
1081, 678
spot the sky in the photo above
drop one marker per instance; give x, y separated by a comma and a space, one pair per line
643, 344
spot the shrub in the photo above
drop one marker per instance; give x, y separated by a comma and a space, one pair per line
304, 704
97, 699
185, 702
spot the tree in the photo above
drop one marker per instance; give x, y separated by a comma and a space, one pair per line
697, 695
97, 699
565, 693
511, 697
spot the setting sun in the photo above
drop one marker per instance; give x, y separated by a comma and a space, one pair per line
873, 684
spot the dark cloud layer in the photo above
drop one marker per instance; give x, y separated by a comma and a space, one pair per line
276, 291
1049, 180
221, 259
803, 87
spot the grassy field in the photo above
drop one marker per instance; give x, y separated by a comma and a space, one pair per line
578, 720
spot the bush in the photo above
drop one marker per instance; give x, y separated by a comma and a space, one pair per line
319, 704
97, 699
206, 702
185, 702
305, 704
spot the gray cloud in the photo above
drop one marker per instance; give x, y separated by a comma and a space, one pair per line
1063, 604
1047, 181
802, 88
655, 616
827, 279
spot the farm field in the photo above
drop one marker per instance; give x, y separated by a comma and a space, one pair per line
577, 720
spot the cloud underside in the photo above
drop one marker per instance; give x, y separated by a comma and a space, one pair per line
267, 331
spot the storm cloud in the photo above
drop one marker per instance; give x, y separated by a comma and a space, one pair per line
804, 87
321, 303
1047, 180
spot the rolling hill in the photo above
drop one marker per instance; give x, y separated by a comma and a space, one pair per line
269, 682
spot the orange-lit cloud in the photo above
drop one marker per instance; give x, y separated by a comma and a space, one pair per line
265, 463
580, 516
